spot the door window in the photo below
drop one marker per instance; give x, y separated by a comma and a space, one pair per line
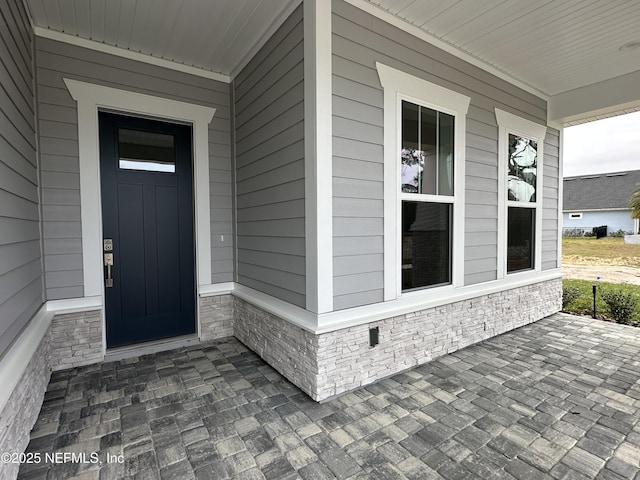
147, 151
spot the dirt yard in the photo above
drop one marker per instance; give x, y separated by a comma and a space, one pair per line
607, 273
607, 258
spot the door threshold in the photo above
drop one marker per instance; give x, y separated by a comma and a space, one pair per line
147, 348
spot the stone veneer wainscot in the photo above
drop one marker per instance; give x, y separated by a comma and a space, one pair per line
332, 363
21, 410
216, 317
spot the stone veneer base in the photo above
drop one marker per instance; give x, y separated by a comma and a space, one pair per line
216, 317
333, 363
76, 339
23, 407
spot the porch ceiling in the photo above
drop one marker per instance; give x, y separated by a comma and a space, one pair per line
550, 45
569, 51
215, 36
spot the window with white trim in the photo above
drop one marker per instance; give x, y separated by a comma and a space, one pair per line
424, 144
520, 154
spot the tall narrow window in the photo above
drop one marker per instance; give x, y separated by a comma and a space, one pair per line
520, 191
424, 175
427, 173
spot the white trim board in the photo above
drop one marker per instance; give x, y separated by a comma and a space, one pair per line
72, 305
91, 98
352, 317
121, 52
15, 360
603, 210
318, 138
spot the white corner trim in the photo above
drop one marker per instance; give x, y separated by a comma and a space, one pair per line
91, 98
560, 129
131, 55
72, 305
417, 32
268, 33
15, 361
215, 289
399, 85
509, 123
318, 156
293, 314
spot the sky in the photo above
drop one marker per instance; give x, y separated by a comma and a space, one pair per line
603, 146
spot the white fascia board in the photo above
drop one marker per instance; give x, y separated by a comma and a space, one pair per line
402, 24
607, 98
16, 359
318, 130
131, 55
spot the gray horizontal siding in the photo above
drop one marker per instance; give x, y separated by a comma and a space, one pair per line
551, 182
58, 132
359, 40
269, 145
20, 251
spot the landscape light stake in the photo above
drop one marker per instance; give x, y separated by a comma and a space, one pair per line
594, 295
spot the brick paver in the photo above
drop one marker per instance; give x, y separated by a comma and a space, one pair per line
555, 399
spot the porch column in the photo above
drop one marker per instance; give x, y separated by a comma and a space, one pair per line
318, 156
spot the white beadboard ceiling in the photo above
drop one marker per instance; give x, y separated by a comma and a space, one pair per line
553, 46
213, 35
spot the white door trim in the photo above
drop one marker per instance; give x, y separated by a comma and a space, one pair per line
91, 98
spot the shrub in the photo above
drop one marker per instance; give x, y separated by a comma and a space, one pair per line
621, 304
569, 294
619, 233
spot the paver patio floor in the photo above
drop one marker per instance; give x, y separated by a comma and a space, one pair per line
556, 399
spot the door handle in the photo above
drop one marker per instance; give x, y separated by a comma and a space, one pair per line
108, 261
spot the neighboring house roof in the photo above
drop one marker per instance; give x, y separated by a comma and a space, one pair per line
602, 191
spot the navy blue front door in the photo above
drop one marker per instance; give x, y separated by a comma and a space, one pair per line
147, 215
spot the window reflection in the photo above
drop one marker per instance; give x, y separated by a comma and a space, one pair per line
426, 244
427, 150
523, 156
